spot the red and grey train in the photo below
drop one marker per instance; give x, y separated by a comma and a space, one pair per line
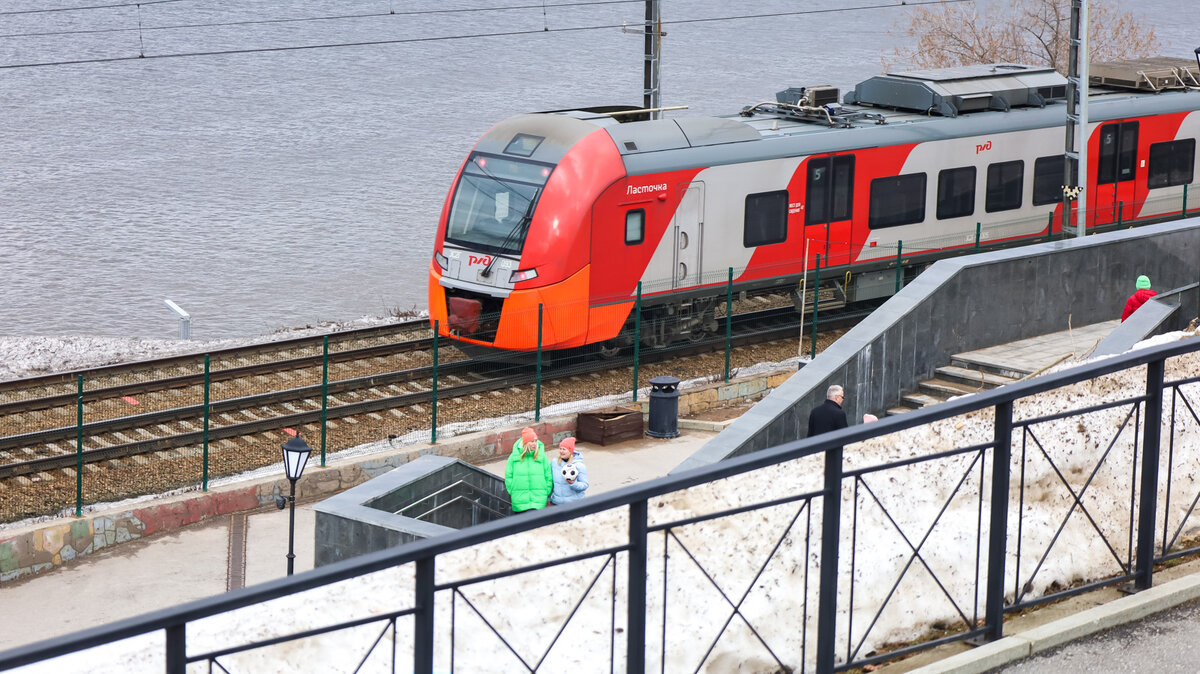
571, 209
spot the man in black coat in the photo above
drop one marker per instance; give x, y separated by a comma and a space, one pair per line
828, 416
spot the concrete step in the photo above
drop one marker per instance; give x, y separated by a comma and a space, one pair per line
893, 411
940, 388
919, 400
973, 378
989, 365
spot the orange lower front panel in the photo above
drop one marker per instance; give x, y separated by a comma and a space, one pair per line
565, 316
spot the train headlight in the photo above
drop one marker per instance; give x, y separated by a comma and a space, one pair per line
522, 275
441, 260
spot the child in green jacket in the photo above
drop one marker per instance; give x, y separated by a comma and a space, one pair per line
528, 477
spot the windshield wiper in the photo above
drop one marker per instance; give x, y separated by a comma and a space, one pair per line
526, 218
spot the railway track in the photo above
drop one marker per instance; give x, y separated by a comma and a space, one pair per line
47, 391
114, 437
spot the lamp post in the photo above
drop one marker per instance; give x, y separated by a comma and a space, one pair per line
295, 457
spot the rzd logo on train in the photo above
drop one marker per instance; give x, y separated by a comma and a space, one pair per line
473, 260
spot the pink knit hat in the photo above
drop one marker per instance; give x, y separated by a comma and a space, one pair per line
568, 443
528, 435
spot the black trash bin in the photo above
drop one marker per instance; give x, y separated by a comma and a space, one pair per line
664, 407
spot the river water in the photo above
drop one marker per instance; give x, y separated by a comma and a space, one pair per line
284, 188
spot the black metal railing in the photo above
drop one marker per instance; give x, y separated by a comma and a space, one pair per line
949, 542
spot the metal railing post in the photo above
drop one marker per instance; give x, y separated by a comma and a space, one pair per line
176, 648
1185, 201
816, 306
728, 322
207, 392
637, 338
537, 407
79, 448
433, 402
423, 616
1144, 573
635, 644
185, 319
324, 393
831, 520
1120, 213
998, 522
899, 264
979, 232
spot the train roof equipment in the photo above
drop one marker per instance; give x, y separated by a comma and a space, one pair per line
893, 108
1147, 74
953, 91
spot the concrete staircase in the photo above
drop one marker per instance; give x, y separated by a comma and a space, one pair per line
994, 366
965, 374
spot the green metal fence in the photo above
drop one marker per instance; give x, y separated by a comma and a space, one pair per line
205, 396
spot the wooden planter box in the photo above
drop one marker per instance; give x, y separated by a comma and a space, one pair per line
604, 427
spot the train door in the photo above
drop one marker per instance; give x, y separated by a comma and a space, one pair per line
688, 227
829, 200
1116, 173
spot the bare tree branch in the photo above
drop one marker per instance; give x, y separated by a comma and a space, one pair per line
1035, 32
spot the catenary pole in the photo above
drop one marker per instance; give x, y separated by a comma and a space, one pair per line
1075, 168
653, 39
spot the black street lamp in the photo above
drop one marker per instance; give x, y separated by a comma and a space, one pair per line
295, 457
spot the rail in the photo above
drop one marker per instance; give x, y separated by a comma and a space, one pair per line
68, 377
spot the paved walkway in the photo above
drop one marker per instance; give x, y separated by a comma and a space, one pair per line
1165, 643
1032, 355
1076, 626
209, 558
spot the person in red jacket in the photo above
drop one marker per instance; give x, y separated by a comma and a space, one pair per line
1138, 298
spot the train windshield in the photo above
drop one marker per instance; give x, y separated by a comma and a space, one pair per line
494, 203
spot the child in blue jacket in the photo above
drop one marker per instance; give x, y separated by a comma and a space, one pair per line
570, 474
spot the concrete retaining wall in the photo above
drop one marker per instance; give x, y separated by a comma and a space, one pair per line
363, 519
964, 304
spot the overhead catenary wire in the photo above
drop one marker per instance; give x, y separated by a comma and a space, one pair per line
50, 10
332, 17
441, 38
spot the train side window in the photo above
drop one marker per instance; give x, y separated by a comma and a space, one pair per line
956, 192
843, 188
1127, 155
766, 218
1004, 181
1048, 176
897, 200
1171, 163
635, 226
830, 190
1118, 153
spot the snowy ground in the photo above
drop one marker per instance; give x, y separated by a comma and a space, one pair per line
894, 512
31, 356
